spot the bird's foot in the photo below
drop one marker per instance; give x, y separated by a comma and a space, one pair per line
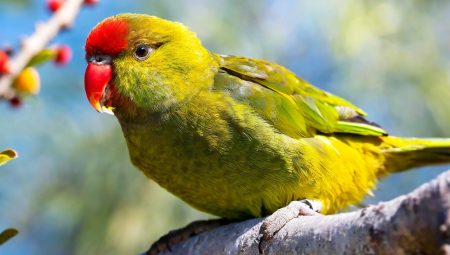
178, 235
273, 223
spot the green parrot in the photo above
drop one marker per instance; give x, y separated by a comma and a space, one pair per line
234, 136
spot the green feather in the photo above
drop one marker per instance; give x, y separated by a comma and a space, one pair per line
292, 105
359, 128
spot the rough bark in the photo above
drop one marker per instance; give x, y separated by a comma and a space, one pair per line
416, 223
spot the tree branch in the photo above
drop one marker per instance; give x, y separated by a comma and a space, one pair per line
32, 45
417, 223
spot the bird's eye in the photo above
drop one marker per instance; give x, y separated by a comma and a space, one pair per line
142, 52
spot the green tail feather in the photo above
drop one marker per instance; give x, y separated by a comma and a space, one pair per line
405, 153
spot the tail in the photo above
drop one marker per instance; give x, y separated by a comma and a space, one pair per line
404, 153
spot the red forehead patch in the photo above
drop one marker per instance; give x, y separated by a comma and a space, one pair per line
109, 37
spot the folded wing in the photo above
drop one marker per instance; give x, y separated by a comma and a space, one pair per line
292, 105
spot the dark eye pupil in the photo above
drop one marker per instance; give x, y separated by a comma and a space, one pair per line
141, 51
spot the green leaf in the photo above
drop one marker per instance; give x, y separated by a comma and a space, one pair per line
44, 56
7, 155
7, 234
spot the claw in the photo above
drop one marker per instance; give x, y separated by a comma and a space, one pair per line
275, 222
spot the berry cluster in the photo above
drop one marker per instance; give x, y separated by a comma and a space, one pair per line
27, 81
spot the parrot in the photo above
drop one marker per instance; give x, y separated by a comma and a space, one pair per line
234, 136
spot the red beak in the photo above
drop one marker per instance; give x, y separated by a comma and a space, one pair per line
96, 80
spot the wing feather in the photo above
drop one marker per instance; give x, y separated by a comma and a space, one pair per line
292, 105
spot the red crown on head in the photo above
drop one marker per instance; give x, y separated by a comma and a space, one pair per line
108, 37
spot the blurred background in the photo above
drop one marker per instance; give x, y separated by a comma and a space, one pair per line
73, 189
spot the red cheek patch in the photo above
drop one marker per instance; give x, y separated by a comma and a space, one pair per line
109, 38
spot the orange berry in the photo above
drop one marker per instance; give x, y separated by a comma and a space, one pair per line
28, 81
